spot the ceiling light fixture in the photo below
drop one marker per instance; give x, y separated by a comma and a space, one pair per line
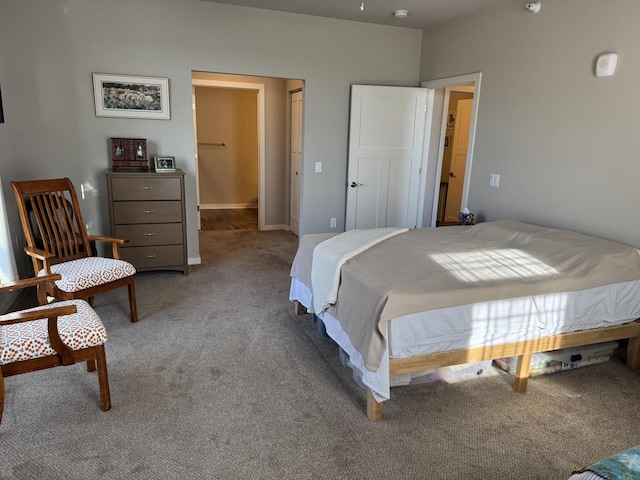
401, 13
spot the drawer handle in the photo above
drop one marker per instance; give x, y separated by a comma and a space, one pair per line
148, 211
149, 234
152, 256
147, 187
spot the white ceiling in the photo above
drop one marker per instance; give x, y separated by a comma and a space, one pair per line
422, 13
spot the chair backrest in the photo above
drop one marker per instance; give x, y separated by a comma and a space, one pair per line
51, 219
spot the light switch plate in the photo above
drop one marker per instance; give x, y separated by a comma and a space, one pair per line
494, 180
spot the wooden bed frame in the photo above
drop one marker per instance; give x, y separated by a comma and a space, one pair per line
523, 350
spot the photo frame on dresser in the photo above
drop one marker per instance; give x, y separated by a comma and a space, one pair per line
165, 164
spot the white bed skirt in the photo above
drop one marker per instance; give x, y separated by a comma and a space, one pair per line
483, 324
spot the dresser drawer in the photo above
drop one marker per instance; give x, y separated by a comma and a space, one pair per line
147, 212
145, 188
150, 234
152, 257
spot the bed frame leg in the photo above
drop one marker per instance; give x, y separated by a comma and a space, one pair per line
522, 373
633, 354
298, 308
374, 409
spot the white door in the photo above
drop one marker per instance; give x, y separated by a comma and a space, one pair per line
296, 155
459, 150
386, 137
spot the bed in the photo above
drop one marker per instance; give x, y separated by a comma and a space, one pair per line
403, 302
620, 466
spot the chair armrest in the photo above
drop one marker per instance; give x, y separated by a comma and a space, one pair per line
28, 282
100, 238
42, 258
115, 243
39, 254
22, 317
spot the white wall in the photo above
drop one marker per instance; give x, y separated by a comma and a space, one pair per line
564, 141
51, 47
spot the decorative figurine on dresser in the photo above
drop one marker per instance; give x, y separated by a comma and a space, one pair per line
129, 153
148, 208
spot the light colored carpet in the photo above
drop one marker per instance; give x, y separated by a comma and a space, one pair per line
219, 380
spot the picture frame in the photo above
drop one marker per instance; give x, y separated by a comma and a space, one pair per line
451, 119
129, 96
165, 164
1, 109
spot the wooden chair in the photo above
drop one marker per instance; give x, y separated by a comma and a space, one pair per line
58, 243
61, 333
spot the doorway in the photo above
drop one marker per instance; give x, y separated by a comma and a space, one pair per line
458, 107
408, 125
243, 161
229, 136
437, 130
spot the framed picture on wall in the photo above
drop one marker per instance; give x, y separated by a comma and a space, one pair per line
1, 109
451, 120
129, 96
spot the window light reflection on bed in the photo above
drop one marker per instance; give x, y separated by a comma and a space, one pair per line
499, 264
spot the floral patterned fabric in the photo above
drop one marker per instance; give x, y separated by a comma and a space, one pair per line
24, 341
89, 272
621, 466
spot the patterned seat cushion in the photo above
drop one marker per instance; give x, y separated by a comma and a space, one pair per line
89, 272
24, 341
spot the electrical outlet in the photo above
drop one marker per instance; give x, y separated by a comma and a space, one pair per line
333, 223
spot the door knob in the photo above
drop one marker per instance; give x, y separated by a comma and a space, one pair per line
354, 184
451, 174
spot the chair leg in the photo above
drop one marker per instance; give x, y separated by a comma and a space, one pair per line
42, 295
91, 365
90, 301
133, 308
1, 394
103, 378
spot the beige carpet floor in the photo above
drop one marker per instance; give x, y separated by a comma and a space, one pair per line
219, 380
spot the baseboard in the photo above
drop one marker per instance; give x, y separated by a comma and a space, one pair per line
275, 227
194, 260
227, 206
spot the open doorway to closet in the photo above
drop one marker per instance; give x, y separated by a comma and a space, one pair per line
244, 151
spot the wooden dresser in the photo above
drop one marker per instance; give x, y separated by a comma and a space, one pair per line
148, 208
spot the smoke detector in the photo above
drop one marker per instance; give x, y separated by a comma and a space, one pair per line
533, 7
401, 13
